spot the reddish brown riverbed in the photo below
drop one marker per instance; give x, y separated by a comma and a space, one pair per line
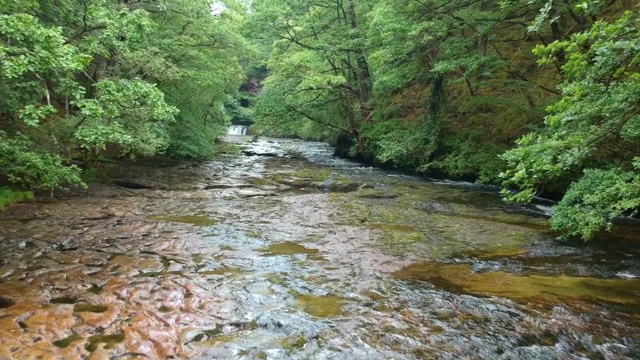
288, 253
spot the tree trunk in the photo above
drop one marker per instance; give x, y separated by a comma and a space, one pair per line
363, 74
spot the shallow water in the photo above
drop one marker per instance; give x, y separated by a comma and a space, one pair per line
286, 252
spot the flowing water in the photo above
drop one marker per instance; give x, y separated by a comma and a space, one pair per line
238, 130
284, 252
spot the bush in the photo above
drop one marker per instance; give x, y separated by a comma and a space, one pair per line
27, 167
10, 196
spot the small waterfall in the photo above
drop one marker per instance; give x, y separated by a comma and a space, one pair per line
238, 130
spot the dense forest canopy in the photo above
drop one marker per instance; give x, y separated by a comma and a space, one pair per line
126, 78
541, 96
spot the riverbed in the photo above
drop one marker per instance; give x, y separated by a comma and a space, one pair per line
281, 251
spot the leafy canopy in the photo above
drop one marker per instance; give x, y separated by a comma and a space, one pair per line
82, 79
593, 129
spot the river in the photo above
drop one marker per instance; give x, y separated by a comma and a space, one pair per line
284, 252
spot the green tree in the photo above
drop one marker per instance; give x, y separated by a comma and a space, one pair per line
449, 71
135, 78
318, 67
35, 65
592, 135
204, 54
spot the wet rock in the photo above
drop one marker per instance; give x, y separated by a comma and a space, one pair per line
534, 352
250, 193
255, 153
277, 323
6, 302
341, 186
377, 195
626, 275
227, 186
261, 288
275, 354
131, 185
433, 206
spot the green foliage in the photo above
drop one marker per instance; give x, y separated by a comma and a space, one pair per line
395, 39
446, 87
595, 200
437, 86
318, 68
595, 127
194, 140
10, 196
91, 78
206, 53
35, 169
463, 159
397, 142
131, 114
439, 67
30, 55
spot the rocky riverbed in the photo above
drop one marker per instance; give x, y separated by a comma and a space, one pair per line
283, 252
